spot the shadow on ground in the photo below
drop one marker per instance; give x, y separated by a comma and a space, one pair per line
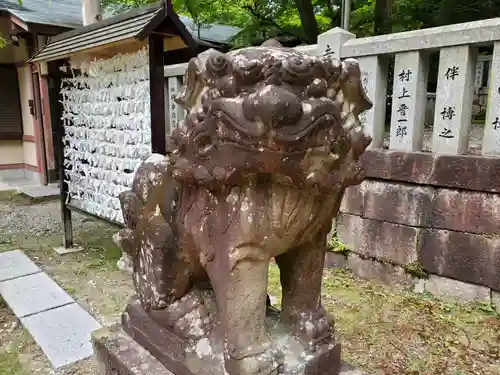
384, 330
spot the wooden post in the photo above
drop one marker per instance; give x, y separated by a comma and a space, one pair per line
157, 94
57, 123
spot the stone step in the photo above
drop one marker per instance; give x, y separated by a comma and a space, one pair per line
32, 294
59, 326
15, 264
63, 333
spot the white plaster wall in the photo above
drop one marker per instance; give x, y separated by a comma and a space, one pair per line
11, 152
29, 153
25, 94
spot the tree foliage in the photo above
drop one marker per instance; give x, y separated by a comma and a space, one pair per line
300, 21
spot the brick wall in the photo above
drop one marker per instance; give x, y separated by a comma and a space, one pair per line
425, 212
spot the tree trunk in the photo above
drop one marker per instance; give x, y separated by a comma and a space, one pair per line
308, 19
383, 17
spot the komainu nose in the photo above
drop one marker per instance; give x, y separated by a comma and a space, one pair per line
273, 106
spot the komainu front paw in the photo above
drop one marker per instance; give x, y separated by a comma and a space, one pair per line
313, 329
187, 317
265, 363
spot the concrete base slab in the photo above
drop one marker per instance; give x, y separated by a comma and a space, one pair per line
32, 294
5, 186
64, 250
40, 191
30, 187
60, 326
117, 353
63, 333
16, 264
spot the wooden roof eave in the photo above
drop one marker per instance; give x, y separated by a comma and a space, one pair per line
134, 26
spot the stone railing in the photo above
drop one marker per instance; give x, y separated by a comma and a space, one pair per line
427, 213
174, 77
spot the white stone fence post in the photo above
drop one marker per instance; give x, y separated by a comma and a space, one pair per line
460, 72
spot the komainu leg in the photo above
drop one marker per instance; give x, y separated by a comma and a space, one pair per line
163, 283
243, 292
301, 272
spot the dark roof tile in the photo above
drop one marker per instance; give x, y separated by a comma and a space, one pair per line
68, 13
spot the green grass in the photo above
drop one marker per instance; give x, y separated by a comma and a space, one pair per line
387, 330
10, 365
20, 199
13, 197
384, 330
337, 246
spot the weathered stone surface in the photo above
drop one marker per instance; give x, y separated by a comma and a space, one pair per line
397, 203
468, 172
456, 93
461, 256
453, 289
374, 77
120, 355
32, 294
466, 211
419, 285
201, 357
374, 270
352, 203
408, 111
63, 333
491, 143
350, 370
388, 242
14, 264
495, 300
255, 171
349, 229
451, 35
335, 260
414, 167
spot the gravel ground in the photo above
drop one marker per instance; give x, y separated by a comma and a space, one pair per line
20, 218
384, 330
89, 276
36, 220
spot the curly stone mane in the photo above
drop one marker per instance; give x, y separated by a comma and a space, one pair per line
271, 111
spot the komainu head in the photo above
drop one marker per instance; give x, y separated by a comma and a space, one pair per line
270, 111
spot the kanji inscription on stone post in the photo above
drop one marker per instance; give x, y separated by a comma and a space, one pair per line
374, 79
175, 111
491, 139
455, 88
408, 101
364, 80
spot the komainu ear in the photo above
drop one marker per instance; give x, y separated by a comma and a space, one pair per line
193, 85
355, 100
272, 43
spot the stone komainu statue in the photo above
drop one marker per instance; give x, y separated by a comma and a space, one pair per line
256, 171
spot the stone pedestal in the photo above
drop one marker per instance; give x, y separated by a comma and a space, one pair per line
118, 354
